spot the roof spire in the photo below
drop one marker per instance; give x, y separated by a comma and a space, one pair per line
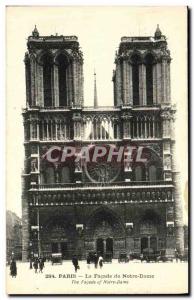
95, 91
158, 33
35, 32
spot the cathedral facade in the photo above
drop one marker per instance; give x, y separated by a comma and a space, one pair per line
70, 206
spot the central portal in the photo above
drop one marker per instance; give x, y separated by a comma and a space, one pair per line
104, 246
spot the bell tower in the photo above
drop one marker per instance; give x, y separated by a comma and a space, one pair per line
54, 71
142, 75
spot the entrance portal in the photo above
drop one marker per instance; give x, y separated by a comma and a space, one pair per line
153, 243
64, 250
100, 247
109, 245
144, 243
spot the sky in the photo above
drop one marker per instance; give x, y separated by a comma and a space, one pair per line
99, 30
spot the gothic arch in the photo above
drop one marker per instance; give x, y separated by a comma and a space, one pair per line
40, 57
104, 213
149, 62
59, 53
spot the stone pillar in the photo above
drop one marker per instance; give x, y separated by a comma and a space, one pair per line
56, 85
154, 84
25, 212
168, 86
130, 85
124, 76
27, 75
118, 84
158, 82
178, 205
164, 81
39, 83
75, 83
33, 80
142, 84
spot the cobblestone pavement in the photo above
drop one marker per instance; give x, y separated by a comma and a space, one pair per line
125, 278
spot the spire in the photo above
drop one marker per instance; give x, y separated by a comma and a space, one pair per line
35, 32
95, 91
158, 33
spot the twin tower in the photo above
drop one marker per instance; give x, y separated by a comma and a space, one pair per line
54, 71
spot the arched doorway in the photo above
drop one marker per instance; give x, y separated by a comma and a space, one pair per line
109, 245
148, 226
144, 243
105, 232
100, 246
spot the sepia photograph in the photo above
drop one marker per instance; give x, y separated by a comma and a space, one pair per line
97, 150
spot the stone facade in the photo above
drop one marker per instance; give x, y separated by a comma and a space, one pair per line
13, 236
70, 209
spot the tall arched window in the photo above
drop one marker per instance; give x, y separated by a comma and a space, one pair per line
62, 69
47, 80
65, 175
50, 175
152, 171
139, 173
135, 78
149, 78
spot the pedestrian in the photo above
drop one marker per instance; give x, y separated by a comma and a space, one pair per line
30, 263
96, 260
88, 261
41, 265
176, 255
100, 260
75, 262
35, 265
13, 268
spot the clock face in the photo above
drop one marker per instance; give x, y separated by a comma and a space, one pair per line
101, 171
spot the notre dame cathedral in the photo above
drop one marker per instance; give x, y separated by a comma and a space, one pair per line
70, 209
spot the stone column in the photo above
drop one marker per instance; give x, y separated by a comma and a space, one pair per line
168, 87
164, 81
40, 89
178, 206
118, 84
75, 85
33, 80
158, 82
25, 211
56, 85
124, 75
130, 85
142, 84
27, 75
154, 84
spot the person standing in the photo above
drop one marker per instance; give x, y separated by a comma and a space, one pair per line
100, 260
35, 265
88, 261
13, 268
30, 263
75, 262
96, 260
41, 265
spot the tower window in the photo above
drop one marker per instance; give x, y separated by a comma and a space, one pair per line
47, 75
62, 69
135, 78
149, 79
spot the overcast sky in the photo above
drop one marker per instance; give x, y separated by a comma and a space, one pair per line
99, 30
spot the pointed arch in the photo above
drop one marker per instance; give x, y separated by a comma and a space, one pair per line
149, 61
46, 60
135, 60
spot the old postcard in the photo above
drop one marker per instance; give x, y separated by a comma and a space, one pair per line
97, 150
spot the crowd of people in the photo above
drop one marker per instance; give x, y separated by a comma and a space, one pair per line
38, 263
